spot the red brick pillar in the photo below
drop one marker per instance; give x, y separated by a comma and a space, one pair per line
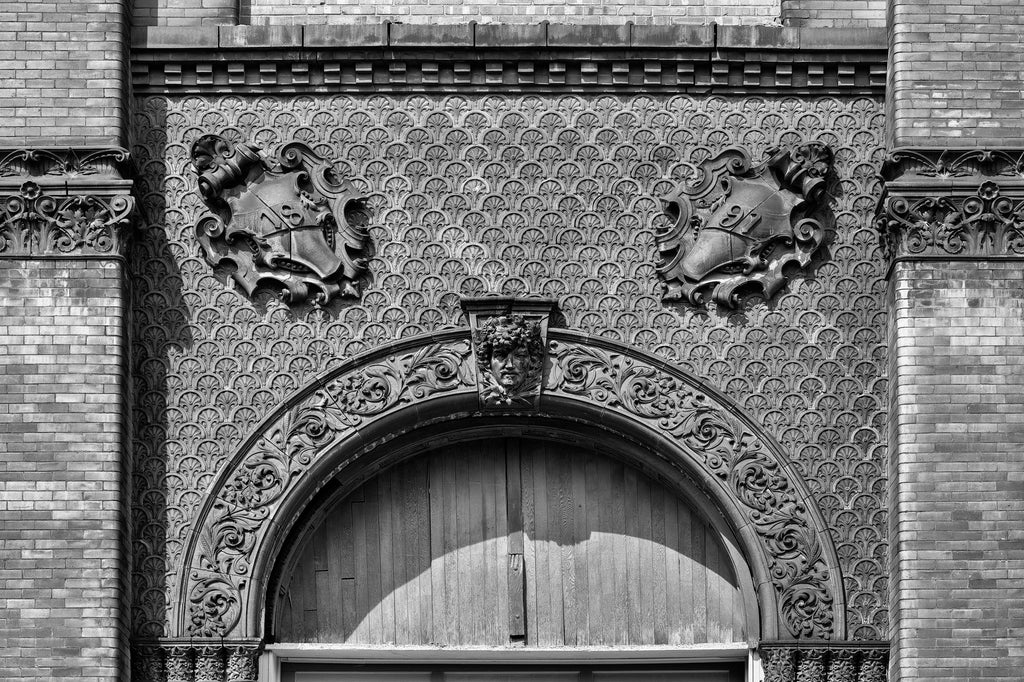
951, 222
64, 211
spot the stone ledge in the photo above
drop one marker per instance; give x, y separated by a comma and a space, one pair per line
542, 35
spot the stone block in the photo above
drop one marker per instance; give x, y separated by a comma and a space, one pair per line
576, 35
345, 35
676, 36
260, 36
418, 35
511, 35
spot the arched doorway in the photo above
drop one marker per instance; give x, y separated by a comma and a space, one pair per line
523, 547
415, 395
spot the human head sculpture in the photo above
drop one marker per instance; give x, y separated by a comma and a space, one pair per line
509, 356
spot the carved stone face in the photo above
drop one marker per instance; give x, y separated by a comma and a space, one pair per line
510, 367
509, 357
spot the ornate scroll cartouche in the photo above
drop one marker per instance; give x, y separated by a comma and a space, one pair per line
279, 222
741, 227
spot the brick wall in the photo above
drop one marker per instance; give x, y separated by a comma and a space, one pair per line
62, 69
185, 12
957, 471
833, 13
61, 355
956, 73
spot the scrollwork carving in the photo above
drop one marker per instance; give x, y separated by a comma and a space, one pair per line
246, 502
35, 222
981, 222
740, 226
752, 475
279, 221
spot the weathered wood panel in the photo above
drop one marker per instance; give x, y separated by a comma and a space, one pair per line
478, 543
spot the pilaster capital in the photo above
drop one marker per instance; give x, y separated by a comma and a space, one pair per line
941, 204
64, 201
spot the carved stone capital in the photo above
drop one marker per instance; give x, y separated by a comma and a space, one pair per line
743, 227
64, 202
510, 347
282, 222
854, 661
190, 660
952, 204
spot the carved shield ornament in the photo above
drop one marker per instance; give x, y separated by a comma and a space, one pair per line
279, 222
740, 227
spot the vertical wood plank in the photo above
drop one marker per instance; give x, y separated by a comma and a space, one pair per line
618, 531
451, 563
648, 590
545, 628
474, 547
385, 545
348, 573
401, 529
596, 511
423, 550
413, 485
658, 566
700, 594
335, 550
516, 576
499, 485
686, 564
672, 602
634, 578
556, 587
714, 584
566, 542
437, 558
371, 522
581, 538
529, 545
322, 583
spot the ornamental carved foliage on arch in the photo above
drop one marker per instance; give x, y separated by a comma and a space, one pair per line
231, 553
517, 194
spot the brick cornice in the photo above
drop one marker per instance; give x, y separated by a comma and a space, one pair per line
943, 204
64, 201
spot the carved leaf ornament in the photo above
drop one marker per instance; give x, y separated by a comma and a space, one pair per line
253, 490
33, 222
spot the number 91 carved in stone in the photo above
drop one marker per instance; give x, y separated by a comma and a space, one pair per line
739, 227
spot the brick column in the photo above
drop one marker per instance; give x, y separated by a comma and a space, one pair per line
953, 226
951, 222
64, 209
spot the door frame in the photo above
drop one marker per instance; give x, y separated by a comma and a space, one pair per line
274, 655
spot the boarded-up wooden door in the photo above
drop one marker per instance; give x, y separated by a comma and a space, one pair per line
494, 541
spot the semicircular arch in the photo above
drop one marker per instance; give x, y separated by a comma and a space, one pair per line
335, 426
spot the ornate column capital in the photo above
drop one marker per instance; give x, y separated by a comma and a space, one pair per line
64, 201
952, 203
853, 661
